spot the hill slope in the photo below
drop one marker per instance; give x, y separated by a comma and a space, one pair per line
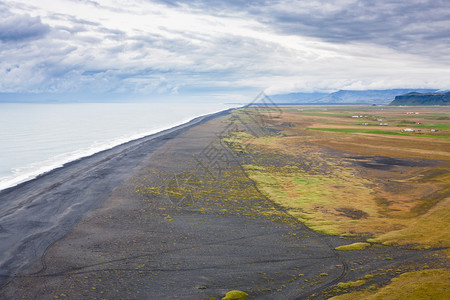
414, 99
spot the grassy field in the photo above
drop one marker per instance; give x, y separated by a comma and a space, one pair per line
377, 131
339, 176
428, 284
373, 185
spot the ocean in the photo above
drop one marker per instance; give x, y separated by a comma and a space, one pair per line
36, 138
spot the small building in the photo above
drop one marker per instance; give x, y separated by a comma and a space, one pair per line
365, 124
383, 124
407, 130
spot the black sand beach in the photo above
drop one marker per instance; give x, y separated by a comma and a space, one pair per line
34, 214
166, 217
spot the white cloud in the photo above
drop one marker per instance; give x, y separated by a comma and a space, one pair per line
144, 47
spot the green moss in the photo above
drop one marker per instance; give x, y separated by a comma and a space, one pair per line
325, 229
149, 190
427, 284
235, 295
431, 230
309, 197
354, 246
349, 284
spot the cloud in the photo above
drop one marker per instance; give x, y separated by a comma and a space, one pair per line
16, 28
389, 22
403, 25
210, 47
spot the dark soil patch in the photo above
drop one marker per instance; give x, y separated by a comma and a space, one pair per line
386, 163
352, 213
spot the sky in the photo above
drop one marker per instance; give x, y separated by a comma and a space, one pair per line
220, 50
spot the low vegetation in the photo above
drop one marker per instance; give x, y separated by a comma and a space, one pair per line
427, 284
350, 284
319, 201
354, 246
395, 201
235, 295
376, 131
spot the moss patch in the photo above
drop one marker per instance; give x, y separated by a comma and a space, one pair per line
320, 201
354, 246
430, 230
235, 295
349, 284
427, 284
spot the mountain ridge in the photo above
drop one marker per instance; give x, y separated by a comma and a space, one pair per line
347, 96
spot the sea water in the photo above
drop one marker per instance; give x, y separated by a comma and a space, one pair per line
36, 138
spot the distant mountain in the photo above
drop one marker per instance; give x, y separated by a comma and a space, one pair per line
297, 97
414, 99
347, 96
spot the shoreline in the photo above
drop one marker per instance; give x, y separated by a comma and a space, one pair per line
38, 212
55, 162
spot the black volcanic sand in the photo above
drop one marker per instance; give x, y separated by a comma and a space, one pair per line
36, 213
184, 221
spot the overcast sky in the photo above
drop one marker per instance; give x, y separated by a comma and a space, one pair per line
226, 50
